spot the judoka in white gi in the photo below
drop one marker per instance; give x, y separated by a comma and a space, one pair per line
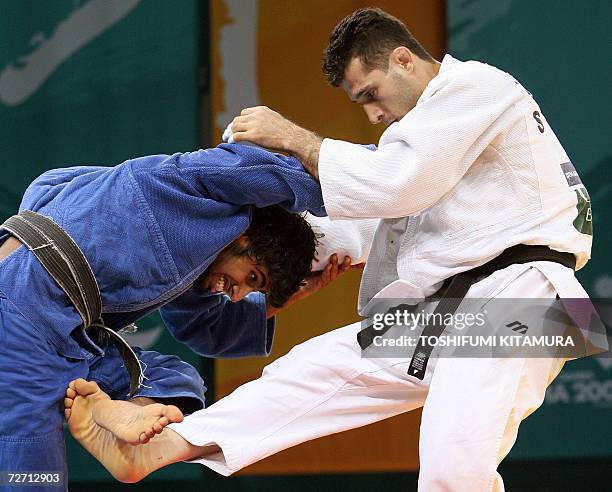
467, 167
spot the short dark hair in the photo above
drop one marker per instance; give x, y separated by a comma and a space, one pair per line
369, 34
285, 243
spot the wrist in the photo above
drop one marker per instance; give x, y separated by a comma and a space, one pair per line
305, 145
272, 311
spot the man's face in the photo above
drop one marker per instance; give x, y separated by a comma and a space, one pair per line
386, 97
234, 275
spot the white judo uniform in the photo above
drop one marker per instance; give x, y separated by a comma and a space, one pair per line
472, 170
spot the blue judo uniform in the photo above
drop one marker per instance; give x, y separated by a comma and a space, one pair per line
148, 228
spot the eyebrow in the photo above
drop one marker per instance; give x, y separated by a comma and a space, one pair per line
362, 92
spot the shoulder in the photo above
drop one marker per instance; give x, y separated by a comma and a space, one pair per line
479, 74
468, 79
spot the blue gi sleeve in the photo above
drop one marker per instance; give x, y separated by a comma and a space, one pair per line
168, 379
213, 326
245, 175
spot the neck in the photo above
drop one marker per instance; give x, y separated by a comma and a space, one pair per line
430, 70
427, 71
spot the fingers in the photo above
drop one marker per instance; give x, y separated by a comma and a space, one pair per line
243, 137
341, 268
250, 110
262, 126
330, 271
333, 269
254, 109
334, 264
248, 115
255, 117
239, 124
346, 264
244, 130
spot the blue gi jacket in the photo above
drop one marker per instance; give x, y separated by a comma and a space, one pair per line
149, 227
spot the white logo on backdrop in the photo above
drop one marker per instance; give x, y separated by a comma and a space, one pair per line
22, 77
239, 60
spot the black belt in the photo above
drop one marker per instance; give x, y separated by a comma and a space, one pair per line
67, 265
455, 289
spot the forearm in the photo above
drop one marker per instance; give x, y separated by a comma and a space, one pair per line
315, 282
272, 311
305, 146
266, 128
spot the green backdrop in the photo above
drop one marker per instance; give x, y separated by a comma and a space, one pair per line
97, 82
559, 50
101, 81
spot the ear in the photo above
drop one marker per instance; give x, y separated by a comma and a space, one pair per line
242, 241
402, 58
238, 246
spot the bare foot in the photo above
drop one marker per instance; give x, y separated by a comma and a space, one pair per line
133, 423
110, 431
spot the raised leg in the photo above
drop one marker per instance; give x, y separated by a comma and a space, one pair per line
320, 387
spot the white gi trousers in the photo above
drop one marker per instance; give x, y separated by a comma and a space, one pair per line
472, 407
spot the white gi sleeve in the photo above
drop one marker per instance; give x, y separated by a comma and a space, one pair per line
343, 237
421, 157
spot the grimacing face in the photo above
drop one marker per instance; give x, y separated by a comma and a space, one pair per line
386, 97
234, 275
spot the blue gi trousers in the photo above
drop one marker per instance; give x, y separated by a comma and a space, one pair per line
34, 376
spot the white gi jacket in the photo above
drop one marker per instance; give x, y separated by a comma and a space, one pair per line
473, 169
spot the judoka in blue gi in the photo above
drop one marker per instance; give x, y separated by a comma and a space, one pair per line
159, 232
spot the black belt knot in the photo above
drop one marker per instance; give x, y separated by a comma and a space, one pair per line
455, 288
67, 265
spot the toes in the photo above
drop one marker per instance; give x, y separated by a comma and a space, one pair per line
85, 388
173, 413
143, 438
67, 413
70, 393
68, 402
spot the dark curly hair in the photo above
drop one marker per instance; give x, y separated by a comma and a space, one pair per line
369, 34
284, 243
